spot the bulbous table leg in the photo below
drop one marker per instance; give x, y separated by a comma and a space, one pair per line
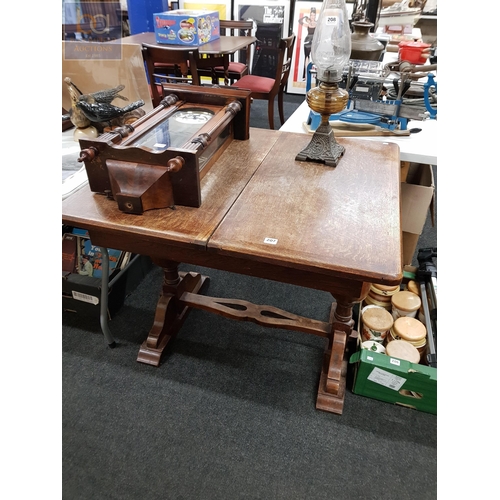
170, 314
331, 390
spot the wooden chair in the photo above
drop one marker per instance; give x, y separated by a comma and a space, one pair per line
236, 69
169, 65
266, 88
209, 65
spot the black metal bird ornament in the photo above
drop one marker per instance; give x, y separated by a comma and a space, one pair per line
96, 107
104, 112
104, 96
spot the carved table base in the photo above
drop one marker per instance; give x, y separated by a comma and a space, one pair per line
332, 382
181, 292
170, 315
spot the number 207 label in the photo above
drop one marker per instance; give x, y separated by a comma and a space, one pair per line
270, 241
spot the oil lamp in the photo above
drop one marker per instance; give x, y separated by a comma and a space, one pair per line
330, 51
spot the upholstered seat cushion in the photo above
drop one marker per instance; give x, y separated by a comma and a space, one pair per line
255, 83
235, 68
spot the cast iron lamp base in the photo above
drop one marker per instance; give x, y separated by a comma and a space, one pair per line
326, 99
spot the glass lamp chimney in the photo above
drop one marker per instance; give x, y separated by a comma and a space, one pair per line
331, 45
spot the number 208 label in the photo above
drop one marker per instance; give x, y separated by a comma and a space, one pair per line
332, 20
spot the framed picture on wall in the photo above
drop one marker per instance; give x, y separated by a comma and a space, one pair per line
303, 25
223, 7
271, 20
264, 11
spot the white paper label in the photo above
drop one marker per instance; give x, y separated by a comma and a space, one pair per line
386, 379
83, 297
331, 20
270, 241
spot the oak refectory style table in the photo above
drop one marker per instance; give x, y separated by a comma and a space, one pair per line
266, 215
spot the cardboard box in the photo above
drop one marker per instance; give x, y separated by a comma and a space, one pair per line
82, 294
417, 199
186, 27
393, 380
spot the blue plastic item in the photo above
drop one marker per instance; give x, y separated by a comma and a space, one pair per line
430, 83
140, 14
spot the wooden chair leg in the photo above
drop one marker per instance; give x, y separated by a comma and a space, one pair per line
270, 113
280, 108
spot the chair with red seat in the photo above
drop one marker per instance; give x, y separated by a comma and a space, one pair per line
236, 69
266, 88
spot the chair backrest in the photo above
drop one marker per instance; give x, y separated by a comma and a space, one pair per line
169, 65
235, 28
284, 65
238, 28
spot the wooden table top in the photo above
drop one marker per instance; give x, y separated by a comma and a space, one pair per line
223, 45
339, 222
343, 221
186, 227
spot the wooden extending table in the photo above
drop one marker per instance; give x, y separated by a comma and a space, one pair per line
266, 215
225, 45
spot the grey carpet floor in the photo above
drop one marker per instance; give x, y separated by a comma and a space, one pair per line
230, 413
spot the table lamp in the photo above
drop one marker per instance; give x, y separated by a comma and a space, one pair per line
330, 51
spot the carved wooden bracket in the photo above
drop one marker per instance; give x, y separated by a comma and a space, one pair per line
138, 187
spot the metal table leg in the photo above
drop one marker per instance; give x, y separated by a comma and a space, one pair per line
104, 299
